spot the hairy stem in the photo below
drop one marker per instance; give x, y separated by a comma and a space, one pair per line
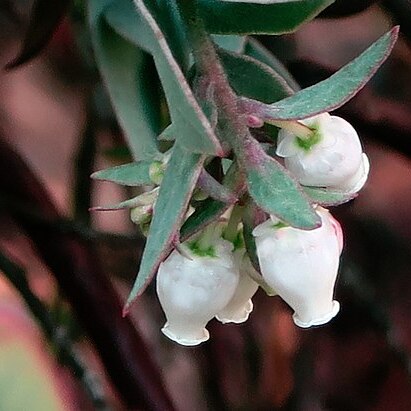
231, 231
233, 120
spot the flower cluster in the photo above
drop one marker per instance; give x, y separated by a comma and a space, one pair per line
202, 282
215, 279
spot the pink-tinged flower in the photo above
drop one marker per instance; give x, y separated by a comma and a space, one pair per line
192, 291
302, 266
331, 157
240, 306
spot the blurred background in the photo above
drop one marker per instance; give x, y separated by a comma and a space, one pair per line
65, 273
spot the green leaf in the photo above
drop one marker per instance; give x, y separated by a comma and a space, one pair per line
252, 217
194, 131
121, 16
327, 197
132, 174
127, 76
274, 190
169, 133
255, 49
212, 188
251, 78
333, 92
210, 210
230, 42
175, 192
131, 203
241, 18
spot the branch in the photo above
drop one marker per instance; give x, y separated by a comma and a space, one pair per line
92, 296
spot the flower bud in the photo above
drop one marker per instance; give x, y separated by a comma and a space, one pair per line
240, 306
141, 214
192, 292
331, 157
302, 266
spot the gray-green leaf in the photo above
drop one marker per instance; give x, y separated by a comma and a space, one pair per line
244, 18
126, 73
230, 42
251, 78
194, 131
274, 190
333, 92
210, 210
175, 192
326, 197
255, 49
131, 174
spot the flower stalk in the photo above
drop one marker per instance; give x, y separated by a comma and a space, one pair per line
299, 129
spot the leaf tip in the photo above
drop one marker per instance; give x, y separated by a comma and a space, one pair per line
126, 310
393, 35
312, 223
395, 31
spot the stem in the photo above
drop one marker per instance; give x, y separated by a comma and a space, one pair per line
231, 231
295, 127
209, 236
54, 333
232, 118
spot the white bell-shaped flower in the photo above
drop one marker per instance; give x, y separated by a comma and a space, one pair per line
240, 306
192, 291
302, 266
331, 157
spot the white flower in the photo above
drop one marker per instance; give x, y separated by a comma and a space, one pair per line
192, 292
240, 306
332, 157
302, 266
